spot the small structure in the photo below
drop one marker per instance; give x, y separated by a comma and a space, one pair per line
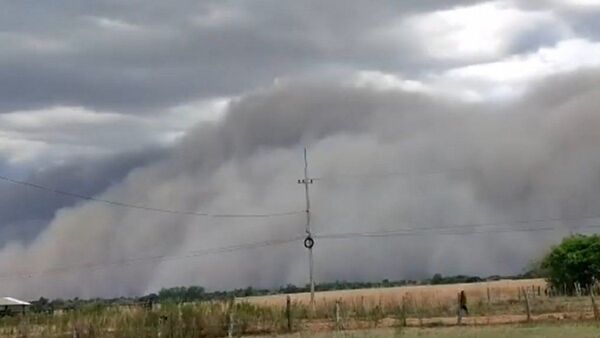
10, 306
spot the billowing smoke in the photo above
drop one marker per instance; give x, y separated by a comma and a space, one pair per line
387, 160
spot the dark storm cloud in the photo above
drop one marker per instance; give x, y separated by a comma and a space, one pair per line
537, 37
586, 23
27, 211
565, 89
522, 161
581, 18
134, 56
84, 66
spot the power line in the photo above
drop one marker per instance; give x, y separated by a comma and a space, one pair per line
399, 232
146, 208
451, 230
386, 174
438, 231
151, 259
262, 244
477, 225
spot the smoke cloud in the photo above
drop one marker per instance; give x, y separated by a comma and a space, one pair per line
452, 162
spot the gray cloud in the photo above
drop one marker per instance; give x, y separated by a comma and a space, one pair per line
27, 211
134, 57
537, 37
585, 23
86, 66
463, 162
581, 18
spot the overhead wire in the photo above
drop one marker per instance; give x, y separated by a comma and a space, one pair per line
385, 174
147, 208
432, 229
451, 230
151, 259
456, 230
398, 233
254, 245
490, 224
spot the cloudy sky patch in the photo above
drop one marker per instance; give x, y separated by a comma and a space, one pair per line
207, 105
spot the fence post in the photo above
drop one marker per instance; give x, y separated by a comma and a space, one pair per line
594, 307
338, 325
459, 311
527, 307
23, 327
288, 312
404, 310
231, 327
489, 305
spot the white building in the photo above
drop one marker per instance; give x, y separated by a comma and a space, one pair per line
9, 305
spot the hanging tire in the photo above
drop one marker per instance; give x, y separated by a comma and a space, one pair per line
309, 242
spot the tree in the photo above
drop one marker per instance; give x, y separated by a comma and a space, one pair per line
575, 260
194, 293
41, 305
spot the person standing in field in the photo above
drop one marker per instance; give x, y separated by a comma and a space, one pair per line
463, 302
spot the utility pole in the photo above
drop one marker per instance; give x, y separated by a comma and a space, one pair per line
309, 242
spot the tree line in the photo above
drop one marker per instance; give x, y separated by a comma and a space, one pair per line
182, 294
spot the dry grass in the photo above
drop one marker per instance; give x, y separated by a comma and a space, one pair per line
411, 306
420, 296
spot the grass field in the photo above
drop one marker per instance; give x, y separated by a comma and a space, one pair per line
424, 295
413, 311
426, 301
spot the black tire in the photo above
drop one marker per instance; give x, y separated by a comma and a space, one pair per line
309, 242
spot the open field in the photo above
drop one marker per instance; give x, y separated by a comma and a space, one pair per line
502, 290
403, 309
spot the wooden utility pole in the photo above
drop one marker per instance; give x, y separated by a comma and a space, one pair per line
309, 242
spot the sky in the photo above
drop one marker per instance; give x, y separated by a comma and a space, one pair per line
437, 116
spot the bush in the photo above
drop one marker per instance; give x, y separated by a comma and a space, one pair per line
575, 261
